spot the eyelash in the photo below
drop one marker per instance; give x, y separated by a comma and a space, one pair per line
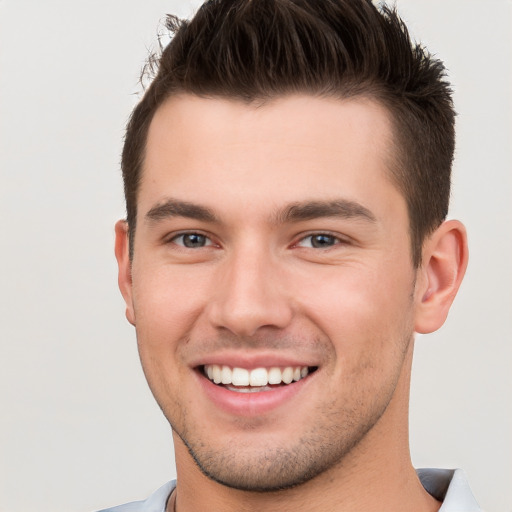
175, 237
336, 240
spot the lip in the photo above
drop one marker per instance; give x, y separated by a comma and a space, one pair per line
251, 404
251, 361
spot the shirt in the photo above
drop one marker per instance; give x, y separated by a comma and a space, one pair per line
447, 485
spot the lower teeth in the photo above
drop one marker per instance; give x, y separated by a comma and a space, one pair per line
248, 389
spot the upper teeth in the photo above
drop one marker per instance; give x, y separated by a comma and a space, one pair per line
256, 377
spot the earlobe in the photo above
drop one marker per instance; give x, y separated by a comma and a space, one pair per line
122, 251
445, 258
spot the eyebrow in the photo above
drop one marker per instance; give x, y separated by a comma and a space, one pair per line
174, 208
295, 212
309, 210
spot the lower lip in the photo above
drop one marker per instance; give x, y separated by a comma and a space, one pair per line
251, 404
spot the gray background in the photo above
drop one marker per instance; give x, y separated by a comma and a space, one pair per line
78, 427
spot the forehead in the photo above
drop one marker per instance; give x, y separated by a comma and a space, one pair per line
215, 150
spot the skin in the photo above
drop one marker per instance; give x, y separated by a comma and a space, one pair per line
257, 287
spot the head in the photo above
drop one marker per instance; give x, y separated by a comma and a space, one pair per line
257, 51
287, 177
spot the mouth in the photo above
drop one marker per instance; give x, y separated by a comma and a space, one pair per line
243, 380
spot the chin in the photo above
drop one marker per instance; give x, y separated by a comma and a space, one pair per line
272, 468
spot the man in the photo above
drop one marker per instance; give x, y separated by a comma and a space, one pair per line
287, 177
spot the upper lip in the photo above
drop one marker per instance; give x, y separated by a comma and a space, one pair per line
251, 361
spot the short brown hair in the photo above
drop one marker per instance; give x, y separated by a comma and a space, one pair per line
261, 49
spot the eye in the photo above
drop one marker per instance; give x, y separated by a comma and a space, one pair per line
192, 240
319, 241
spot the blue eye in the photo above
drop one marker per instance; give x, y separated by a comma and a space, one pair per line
319, 241
192, 240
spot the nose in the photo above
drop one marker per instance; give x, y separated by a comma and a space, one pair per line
251, 294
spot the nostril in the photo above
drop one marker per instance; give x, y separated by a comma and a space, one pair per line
244, 304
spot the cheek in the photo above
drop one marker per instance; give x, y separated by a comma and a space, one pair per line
167, 302
164, 311
350, 293
363, 311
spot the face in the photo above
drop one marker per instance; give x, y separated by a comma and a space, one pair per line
271, 286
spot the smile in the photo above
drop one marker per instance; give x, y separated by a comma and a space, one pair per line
243, 380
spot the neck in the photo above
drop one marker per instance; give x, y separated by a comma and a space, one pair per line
376, 476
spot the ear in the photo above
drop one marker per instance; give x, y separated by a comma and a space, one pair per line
445, 258
122, 250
